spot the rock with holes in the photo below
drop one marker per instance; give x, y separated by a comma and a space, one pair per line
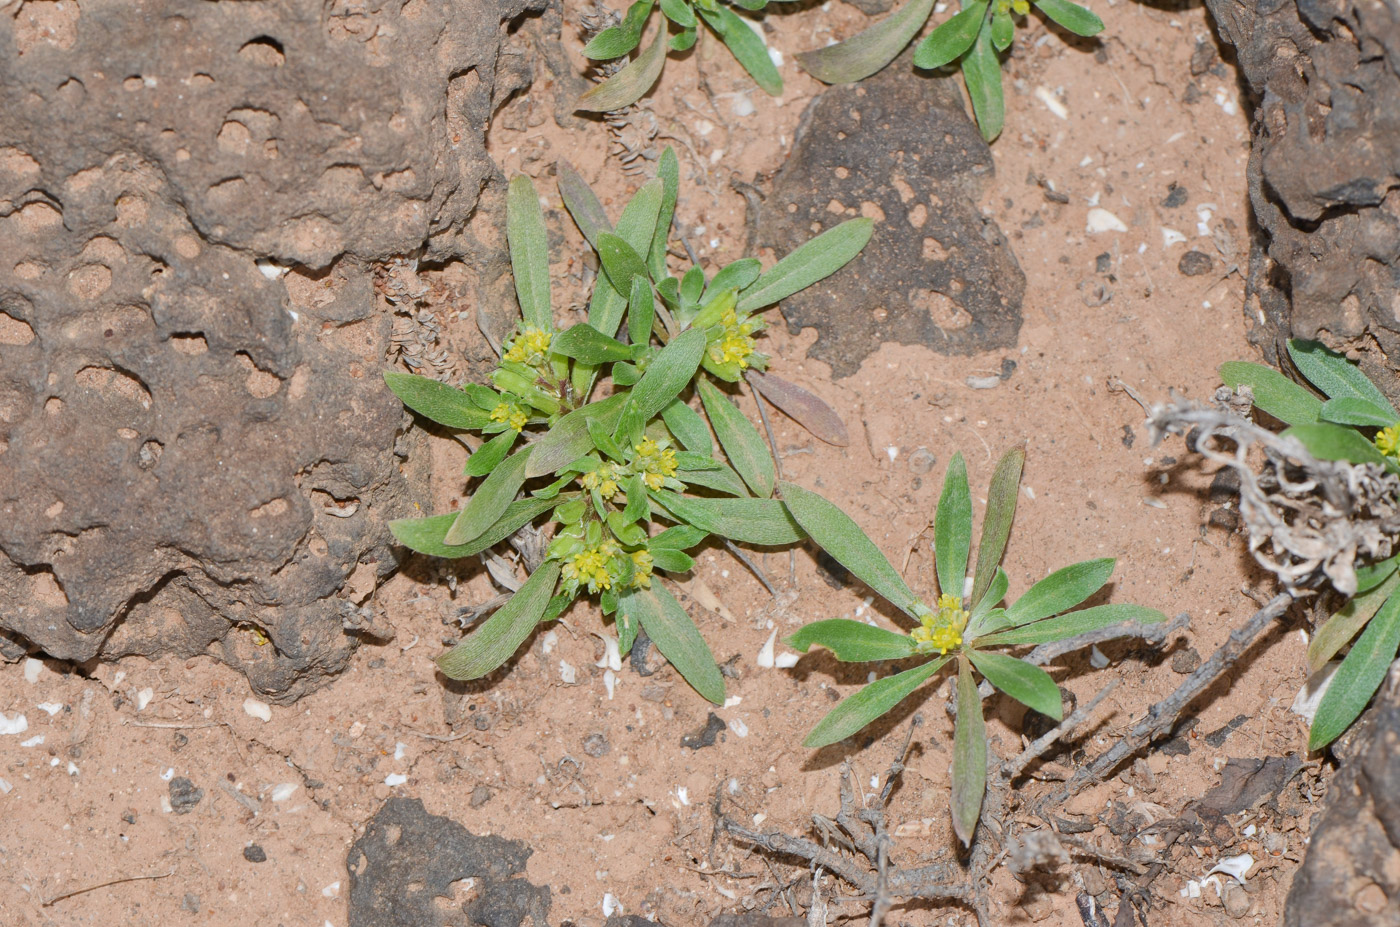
900, 149
196, 449
403, 869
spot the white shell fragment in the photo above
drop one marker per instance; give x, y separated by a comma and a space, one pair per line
19, 723
739, 728
612, 653
786, 660
283, 791
1101, 220
611, 905
143, 698
610, 682
1310, 696
395, 779
1234, 866
568, 672
31, 670
1052, 102
50, 708
256, 709
1171, 237
765, 655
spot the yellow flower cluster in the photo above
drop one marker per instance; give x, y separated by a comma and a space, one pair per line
654, 462
1388, 441
511, 414
530, 347
604, 479
1019, 7
942, 629
641, 559
589, 567
736, 345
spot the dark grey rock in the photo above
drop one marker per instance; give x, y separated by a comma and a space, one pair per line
704, 736
1195, 263
408, 858
900, 148
178, 430
1176, 196
184, 795
254, 853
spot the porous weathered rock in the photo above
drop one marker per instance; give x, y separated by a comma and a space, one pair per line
899, 148
196, 449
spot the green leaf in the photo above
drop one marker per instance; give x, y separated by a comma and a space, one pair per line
1337, 631
1356, 680
748, 49
490, 500
969, 757
492, 644
689, 460
869, 703
742, 443
669, 373
1072, 16
812, 261
869, 51
688, 427
720, 479
837, 534
1027, 684
680, 537
675, 635
853, 641
485, 458
1273, 392
806, 408
1348, 410
984, 605
637, 507
1061, 590
981, 70
1075, 623
631, 83
622, 38
582, 203
1003, 29
948, 42
641, 311
671, 560
693, 284
668, 172
569, 440
590, 346
1373, 574
1335, 375
437, 401
736, 275
425, 535
680, 13
529, 252
620, 262
1337, 442
952, 529
1002, 494
684, 40
765, 522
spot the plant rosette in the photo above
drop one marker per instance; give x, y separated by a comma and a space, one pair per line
949, 632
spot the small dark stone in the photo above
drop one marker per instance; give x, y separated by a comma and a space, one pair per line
254, 853
1195, 263
1103, 263
1129, 436
181, 741
1224, 486
480, 796
1203, 57
832, 572
1008, 367
1176, 196
1180, 743
596, 745
1192, 93
1218, 737
1224, 517
1186, 661
482, 721
184, 795
705, 736
129, 817
376, 663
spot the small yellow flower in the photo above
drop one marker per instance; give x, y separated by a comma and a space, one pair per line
942, 629
654, 462
511, 414
736, 345
589, 567
1021, 7
604, 479
530, 347
642, 560
1388, 441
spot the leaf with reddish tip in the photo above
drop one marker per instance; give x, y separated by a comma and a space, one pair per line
804, 407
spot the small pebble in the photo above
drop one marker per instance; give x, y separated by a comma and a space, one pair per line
184, 795
1176, 196
1195, 263
1185, 661
1236, 901
596, 745
982, 382
480, 796
1101, 220
254, 853
921, 461
190, 903
256, 709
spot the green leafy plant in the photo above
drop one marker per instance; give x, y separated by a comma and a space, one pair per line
631, 82
624, 479
1353, 421
947, 631
975, 37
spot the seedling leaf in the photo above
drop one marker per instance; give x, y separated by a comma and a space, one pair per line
806, 408
425, 535
952, 529
764, 522
1075, 18
742, 443
1061, 590
437, 401
996, 521
1337, 631
529, 252
1027, 684
950, 40
631, 83
748, 49
1356, 680
1072, 624
812, 261
1273, 392
969, 757
1335, 375
492, 644
674, 634
869, 703
869, 51
1349, 410
688, 427
590, 346
981, 70
490, 500
853, 641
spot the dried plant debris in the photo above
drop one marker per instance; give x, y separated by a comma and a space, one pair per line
1309, 520
417, 338
633, 129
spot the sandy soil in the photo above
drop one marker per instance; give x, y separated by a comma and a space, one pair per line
600, 787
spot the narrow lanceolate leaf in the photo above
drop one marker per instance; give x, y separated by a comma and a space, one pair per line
582, 203
679, 12
952, 529
748, 49
620, 262
622, 38
1072, 16
812, 261
668, 171
1061, 590
1027, 684
529, 252
1337, 442
688, 427
1356, 680
984, 604
1273, 392
1336, 632
721, 479
487, 457
671, 560
946, 44
1003, 29
1002, 493
735, 275
1349, 410
679, 537
492, 644
742, 443
631, 83
853, 641
669, 373
806, 408
437, 401
585, 343
569, 440
641, 311
1073, 624
867, 52
1335, 375
765, 522
425, 535
837, 533
675, 635
969, 757
1373, 574
869, 703
981, 70
490, 501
